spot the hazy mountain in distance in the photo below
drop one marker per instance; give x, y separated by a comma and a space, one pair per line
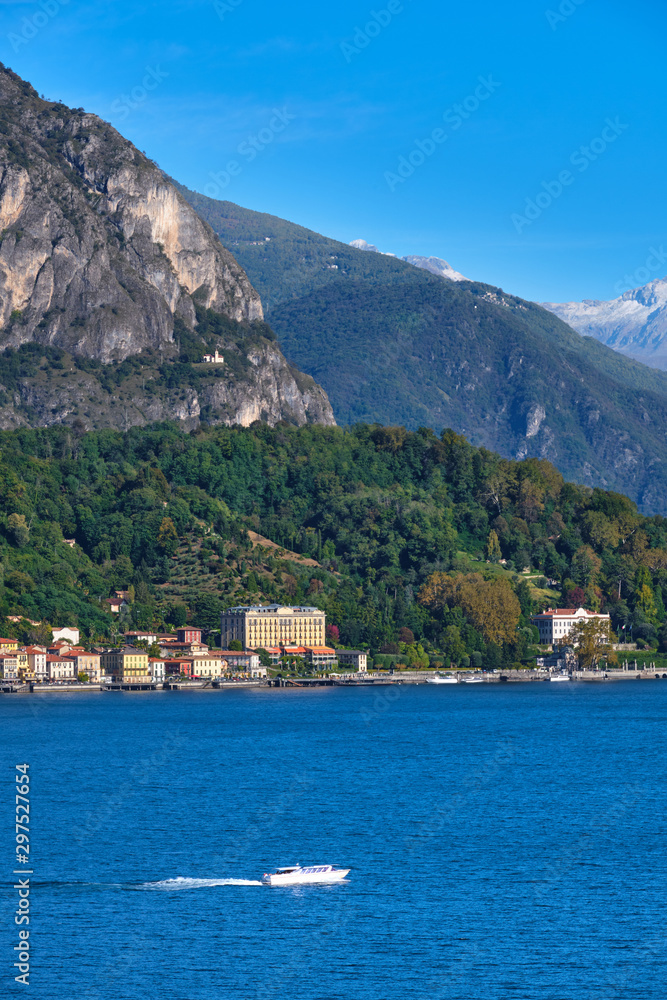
436, 265
634, 324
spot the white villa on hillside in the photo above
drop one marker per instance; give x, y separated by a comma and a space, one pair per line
214, 359
555, 624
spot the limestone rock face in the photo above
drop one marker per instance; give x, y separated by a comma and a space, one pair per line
99, 251
102, 258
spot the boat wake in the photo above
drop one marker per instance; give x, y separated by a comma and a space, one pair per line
176, 884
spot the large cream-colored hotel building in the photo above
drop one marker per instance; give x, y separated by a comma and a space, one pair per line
273, 625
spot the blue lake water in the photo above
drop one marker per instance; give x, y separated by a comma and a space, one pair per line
505, 842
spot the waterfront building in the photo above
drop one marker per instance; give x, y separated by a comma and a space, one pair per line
157, 668
242, 663
9, 670
87, 663
37, 660
178, 667
261, 626
207, 666
24, 667
555, 624
128, 665
60, 669
354, 658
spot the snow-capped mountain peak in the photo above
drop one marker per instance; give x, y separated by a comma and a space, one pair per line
634, 324
436, 265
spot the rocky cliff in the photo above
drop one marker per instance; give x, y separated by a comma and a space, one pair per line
101, 257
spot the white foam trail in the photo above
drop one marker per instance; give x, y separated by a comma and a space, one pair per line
172, 884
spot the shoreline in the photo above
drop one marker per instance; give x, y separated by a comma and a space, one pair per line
344, 681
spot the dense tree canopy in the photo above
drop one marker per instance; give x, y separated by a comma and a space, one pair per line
384, 529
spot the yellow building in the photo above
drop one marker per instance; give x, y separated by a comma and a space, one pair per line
261, 626
127, 665
8, 645
206, 666
26, 671
89, 664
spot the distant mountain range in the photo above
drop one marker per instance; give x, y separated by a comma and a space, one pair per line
395, 344
634, 324
436, 265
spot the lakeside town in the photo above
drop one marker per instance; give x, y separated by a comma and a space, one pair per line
275, 643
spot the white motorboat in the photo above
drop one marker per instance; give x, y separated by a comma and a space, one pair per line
442, 680
297, 875
472, 680
555, 678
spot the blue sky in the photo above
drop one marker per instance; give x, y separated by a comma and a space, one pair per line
547, 179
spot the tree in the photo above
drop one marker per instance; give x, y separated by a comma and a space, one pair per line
593, 641
493, 553
575, 597
492, 607
333, 634
406, 635
208, 610
18, 530
452, 645
167, 536
236, 646
264, 657
177, 615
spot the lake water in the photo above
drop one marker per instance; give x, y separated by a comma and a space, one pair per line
505, 842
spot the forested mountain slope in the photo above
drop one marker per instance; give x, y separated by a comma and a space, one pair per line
393, 343
380, 509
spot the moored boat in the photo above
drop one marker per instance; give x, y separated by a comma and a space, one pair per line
442, 680
298, 875
555, 678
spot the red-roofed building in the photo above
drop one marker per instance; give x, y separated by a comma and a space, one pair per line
37, 660
60, 669
555, 624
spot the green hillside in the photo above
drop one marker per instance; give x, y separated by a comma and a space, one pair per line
395, 344
381, 513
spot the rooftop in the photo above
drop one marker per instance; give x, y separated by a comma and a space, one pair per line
270, 608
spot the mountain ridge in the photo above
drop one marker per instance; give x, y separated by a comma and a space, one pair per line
436, 265
394, 344
102, 259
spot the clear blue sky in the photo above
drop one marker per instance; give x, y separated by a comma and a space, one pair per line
351, 107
